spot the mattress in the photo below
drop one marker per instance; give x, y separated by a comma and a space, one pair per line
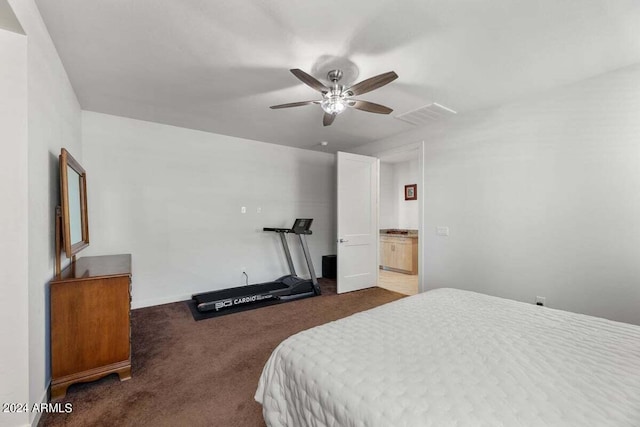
456, 358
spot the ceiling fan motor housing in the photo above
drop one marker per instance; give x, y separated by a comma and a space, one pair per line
334, 75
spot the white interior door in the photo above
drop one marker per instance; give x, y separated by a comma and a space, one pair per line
357, 222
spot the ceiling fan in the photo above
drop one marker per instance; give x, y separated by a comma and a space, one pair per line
337, 98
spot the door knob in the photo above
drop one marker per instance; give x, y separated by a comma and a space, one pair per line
343, 240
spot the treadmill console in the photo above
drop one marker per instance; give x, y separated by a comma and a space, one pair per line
302, 226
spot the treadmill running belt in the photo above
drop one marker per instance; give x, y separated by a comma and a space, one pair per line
201, 315
239, 291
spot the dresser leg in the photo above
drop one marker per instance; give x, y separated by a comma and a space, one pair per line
124, 373
59, 391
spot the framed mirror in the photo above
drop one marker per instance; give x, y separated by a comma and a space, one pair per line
73, 194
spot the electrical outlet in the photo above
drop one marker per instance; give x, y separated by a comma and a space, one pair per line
542, 301
244, 270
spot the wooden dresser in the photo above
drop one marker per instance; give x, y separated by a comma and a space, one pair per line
90, 321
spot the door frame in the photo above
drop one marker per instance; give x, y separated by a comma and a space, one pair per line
418, 147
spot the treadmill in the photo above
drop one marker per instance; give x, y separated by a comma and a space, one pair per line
285, 288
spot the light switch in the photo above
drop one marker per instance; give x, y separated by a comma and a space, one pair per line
443, 231
243, 209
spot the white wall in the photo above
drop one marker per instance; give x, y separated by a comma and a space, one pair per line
8, 20
395, 211
406, 173
14, 269
53, 122
542, 197
172, 198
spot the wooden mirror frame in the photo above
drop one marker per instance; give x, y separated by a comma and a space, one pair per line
71, 248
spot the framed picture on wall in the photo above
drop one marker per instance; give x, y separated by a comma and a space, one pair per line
411, 192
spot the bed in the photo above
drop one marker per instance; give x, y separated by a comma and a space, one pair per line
456, 358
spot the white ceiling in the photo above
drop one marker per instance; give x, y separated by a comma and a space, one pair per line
218, 65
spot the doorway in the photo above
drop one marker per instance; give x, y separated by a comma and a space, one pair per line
369, 254
401, 178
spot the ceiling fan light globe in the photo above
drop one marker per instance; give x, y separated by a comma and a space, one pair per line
333, 107
333, 104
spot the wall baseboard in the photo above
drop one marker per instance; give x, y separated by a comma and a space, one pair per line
159, 301
43, 399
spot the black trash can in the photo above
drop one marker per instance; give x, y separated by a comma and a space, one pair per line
329, 269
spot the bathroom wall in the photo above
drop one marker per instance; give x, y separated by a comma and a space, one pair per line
395, 211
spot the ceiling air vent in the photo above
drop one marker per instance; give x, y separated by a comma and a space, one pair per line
426, 114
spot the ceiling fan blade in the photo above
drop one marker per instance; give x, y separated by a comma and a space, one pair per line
373, 83
310, 81
328, 119
293, 104
370, 107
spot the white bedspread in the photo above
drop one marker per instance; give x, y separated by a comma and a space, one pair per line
455, 358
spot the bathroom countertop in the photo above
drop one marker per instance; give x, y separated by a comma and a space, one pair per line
411, 234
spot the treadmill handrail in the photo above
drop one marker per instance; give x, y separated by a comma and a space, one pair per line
285, 230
